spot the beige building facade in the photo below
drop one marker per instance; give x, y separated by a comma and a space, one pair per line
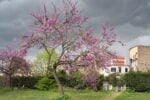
140, 58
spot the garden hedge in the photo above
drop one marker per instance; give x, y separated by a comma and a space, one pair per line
138, 81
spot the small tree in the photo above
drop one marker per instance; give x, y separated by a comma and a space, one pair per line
11, 62
63, 30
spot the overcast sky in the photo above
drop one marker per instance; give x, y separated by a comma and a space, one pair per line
131, 19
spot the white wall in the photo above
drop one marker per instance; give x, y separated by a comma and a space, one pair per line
107, 72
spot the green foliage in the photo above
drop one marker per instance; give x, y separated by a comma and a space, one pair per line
43, 56
25, 82
41, 83
45, 83
39, 65
115, 80
74, 81
112, 79
100, 82
138, 81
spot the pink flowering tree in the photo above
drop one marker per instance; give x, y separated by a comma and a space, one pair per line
12, 62
63, 30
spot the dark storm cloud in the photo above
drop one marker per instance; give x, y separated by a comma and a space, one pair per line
118, 12
2, 0
15, 18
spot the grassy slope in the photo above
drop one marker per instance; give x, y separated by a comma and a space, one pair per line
48, 95
133, 96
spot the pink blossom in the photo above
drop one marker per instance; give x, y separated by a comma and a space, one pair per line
12, 61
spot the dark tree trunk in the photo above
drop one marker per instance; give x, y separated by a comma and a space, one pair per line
60, 87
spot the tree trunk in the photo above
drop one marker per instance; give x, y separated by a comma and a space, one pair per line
60, 87
53, 70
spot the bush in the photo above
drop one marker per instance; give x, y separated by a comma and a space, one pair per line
100, 82
45, 83
74, 81
33, 82
25, 82
114, 81
138, 81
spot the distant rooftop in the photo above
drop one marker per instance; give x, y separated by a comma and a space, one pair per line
139, 46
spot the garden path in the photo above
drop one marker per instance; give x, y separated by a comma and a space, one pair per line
113, 95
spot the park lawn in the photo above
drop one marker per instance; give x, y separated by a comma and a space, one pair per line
28, 94
133, 96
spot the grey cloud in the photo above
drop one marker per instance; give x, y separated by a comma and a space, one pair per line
15, 18
118, 12
3, 0
142, 17
128, 32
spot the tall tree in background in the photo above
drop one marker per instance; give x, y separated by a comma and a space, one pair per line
39, 65
63, 30
12, 62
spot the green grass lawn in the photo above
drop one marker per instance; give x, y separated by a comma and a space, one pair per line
133, 96
26, 94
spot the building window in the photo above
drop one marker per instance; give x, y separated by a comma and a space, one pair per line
131, 61
119, 69
126, 69
113, 69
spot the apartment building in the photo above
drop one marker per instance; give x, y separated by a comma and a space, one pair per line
140, 58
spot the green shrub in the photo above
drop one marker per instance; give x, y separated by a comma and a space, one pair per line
138, 81
25, 82
112, 79
74, 81
33, 82
45, 83
115, 80
100, 82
